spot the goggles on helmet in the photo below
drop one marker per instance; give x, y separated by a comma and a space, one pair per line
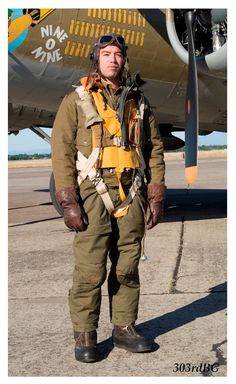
105, 40
110, 39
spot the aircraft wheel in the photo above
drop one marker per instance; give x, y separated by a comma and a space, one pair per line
52, 190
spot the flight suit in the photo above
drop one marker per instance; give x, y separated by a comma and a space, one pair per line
117, 238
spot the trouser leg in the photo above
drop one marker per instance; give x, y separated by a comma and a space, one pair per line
90, 255
88, 276
125, 253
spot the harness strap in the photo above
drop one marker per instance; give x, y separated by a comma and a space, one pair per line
103, 192
87, 164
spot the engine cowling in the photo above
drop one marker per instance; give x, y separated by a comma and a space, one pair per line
210, 35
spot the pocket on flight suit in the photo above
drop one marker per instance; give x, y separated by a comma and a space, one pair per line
84, 134
84, 141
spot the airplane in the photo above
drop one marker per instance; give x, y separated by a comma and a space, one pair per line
181, 54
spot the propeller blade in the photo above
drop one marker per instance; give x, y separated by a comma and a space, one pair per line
192, 112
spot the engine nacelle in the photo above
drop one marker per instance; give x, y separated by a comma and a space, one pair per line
212, 28
170, 142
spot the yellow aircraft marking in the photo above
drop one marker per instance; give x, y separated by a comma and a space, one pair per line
77, 49
72, 23
103, 29
129, 18
72, 48
94, 30
124, 16
87, 29
127, 35
44, 12
137, 38
109, 15
118, 15
97, 31
142, 39
88, 50
132, 37
77, 27
81, 32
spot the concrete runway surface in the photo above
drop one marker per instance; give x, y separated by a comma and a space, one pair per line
183, 283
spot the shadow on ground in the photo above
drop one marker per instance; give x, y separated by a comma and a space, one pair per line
215, 301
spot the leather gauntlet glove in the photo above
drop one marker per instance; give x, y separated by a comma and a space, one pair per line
155, 208
74, 215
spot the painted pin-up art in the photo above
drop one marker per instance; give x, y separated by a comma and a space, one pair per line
19, 22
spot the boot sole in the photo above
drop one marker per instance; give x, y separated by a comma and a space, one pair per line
134, 350
87, 359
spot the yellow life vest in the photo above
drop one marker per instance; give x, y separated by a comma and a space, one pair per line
114, 156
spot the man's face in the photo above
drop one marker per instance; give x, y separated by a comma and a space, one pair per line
111, 61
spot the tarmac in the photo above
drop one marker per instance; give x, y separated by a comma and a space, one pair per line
183, 283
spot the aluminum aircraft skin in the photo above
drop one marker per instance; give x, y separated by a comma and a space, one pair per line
49, 53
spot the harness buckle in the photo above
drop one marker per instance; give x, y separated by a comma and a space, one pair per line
100, 185
117, 141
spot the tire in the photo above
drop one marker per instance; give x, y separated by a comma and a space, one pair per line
52, 190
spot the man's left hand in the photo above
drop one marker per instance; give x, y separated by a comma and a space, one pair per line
155, 208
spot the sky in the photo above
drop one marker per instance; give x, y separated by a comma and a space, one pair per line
28, 142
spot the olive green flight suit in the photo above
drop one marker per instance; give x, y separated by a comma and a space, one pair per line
116, 238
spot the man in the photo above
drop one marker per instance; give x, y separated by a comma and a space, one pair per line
107, 125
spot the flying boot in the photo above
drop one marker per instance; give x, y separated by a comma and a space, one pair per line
129, 339
86, 347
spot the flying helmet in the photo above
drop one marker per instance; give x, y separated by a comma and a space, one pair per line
105, 40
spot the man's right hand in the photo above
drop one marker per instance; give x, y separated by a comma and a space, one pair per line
74, 216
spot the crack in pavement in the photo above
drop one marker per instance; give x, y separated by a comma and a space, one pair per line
178, 260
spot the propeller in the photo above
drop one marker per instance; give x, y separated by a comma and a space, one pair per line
191, 107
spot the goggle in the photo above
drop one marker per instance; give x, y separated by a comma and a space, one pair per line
109, 39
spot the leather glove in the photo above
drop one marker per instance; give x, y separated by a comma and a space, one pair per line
155, 207
74, 216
